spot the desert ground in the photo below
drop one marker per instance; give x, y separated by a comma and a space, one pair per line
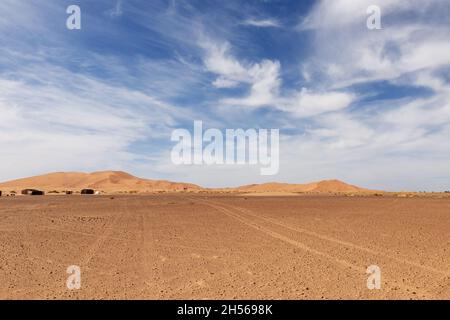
196, 246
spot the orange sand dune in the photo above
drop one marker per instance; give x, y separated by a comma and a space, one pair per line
108, 181
115, 181
321, 186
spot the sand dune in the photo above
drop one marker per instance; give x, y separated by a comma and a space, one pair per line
320, 186
108, 181
115, 181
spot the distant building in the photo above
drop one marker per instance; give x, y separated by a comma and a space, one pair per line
32, 192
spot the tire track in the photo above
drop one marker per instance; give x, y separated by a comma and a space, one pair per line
341, 262
344, 243
146, 268
91, 252
437, 289
87, 234
98, 243
283, 238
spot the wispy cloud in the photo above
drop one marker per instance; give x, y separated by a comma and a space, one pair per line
264, 82
117, 11
263, 77
262, 23
65, 121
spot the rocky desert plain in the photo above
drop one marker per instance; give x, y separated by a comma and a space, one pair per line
148, 239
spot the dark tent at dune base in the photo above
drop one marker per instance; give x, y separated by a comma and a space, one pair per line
32, 192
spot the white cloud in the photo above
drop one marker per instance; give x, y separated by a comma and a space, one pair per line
219, 60
306, 103
117, 11
263, 23
223, 82
264, 86
356, 54
264, 82
383, 139
328, 14
53, 119
263, 78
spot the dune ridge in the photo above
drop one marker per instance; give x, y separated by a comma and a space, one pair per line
108, 181
115, 181
319, 186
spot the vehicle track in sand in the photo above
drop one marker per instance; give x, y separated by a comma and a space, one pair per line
100, 240
438, 287
344, 243
242, 216
148, 272
93, 249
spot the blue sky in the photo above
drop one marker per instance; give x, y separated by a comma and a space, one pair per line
371, 107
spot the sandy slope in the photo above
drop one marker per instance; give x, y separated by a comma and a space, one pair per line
321, 186
109, 181
114, 181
